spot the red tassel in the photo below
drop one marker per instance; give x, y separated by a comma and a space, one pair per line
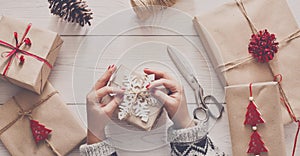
39, 131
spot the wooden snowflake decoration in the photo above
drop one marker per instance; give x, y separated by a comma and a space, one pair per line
137, 98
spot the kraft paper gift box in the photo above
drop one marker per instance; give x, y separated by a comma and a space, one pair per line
38, 58
266, 96
49, 110
225, 34
155, 108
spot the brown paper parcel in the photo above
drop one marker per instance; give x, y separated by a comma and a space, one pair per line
266, 96
33, 74
155, 111
66, 133
225, 34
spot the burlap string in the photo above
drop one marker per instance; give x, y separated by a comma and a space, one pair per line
235, 63
148, 3
28, 113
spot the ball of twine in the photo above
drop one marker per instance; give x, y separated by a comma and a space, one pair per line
145, 8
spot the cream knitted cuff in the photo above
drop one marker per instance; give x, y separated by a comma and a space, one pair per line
104, 148
190, 134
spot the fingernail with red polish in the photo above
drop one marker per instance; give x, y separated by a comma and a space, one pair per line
112, 66
109, 67
148, 85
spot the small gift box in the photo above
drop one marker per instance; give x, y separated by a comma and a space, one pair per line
252, 41
35, 125
138, 107
27, 53
255, 119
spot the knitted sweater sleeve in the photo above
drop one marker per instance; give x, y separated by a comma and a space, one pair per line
104, 148
184, 142
192, 141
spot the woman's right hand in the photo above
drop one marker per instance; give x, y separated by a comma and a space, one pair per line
174, 102
99, 113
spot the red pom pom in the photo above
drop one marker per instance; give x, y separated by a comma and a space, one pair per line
22, 59
263, 46
27, 41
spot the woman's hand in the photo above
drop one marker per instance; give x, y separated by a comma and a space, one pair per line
99, 113
174, 102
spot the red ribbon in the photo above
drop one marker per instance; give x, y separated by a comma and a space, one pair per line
278, 78
16, 50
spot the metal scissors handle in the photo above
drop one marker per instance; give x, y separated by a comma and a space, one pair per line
201, 100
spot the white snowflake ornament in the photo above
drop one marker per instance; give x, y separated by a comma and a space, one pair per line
137, 98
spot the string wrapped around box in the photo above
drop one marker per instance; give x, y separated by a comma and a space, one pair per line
32, 124
138, 107
26, 60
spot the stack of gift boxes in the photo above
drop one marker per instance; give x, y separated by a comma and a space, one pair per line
253, 46
35, 121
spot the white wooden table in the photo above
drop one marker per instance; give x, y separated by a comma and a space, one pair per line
118, 37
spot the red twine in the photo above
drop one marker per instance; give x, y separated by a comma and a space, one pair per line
263, 46
278, 78
15, 50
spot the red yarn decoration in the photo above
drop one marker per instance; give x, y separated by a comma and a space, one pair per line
263, 46
253, 117
27, 41
22, 59
39, 131
256, 145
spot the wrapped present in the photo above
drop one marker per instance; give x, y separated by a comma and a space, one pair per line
35, 125
138, 107
251, 41
27, 53
255, 119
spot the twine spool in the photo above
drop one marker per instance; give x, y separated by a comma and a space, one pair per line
145, 8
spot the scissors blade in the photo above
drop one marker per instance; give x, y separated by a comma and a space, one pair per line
182, 66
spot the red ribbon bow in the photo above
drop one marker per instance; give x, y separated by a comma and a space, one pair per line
16, 49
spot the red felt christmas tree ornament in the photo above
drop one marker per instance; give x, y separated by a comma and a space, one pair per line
256, 145
253, 118
39, 131
263, 46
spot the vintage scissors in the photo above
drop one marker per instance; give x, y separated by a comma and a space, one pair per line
202, 101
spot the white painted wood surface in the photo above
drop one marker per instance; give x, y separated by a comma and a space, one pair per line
119, 37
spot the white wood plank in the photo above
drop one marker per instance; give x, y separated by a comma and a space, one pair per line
115, 18
112, 12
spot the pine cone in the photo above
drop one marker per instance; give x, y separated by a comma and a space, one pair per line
72, 11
